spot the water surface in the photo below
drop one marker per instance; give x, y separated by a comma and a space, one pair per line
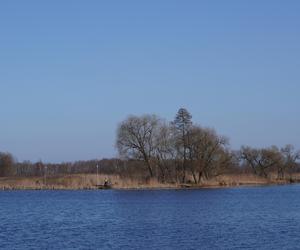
235, 218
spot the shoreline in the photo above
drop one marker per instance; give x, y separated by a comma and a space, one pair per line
147, 187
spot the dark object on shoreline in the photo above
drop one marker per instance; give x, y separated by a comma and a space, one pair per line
106, 182
105, 186
186, 186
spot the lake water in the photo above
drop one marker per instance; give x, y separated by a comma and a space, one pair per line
234, 218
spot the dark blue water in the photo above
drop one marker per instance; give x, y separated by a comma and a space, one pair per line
237, 218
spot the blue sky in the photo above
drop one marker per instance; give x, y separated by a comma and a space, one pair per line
70, 71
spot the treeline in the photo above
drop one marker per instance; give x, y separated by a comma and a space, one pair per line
128, 168
183, 152
176, 152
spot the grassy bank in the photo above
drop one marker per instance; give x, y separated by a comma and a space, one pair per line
89, 181
76, 182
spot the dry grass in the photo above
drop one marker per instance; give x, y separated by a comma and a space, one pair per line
242, 179
77, 181
60, 182
89, 181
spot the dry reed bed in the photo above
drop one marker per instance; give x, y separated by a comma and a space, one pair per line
89, 181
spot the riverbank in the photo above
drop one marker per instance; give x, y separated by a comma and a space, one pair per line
90, 182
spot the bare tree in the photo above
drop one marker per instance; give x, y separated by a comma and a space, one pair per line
136, 138
289, 161
6, 164
165, 152
261, 160
207, 153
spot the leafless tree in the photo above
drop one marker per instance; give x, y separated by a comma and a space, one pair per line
6, 164
289, 161
261, 160
208, 154
165, 152
136, 138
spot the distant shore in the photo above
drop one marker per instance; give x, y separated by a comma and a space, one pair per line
91, 182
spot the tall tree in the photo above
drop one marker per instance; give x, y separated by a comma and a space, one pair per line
136, 138
182, 124
208, 154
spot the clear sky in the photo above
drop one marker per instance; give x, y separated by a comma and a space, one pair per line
70, 71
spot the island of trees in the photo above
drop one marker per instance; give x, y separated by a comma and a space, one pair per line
157, 153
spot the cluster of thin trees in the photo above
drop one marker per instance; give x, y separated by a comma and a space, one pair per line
177, 151
183, 152
269, 160
10, 167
